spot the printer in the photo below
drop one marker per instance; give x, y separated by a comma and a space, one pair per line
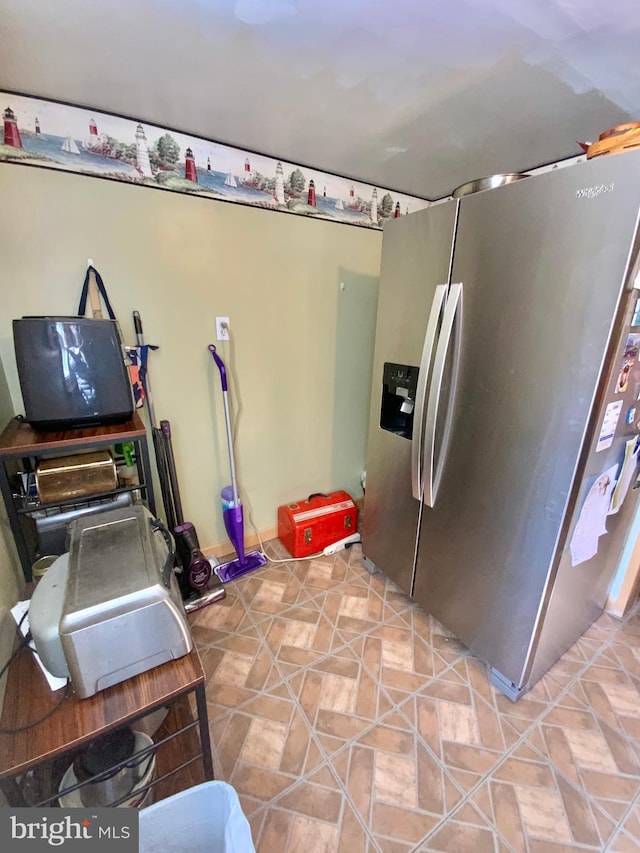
110, 608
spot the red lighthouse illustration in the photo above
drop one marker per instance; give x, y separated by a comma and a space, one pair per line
247, 168
190, 173
11, 132
93, 128
311, 199
396, 212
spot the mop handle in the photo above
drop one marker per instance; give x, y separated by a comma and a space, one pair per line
137, 323
227, 421
221, 367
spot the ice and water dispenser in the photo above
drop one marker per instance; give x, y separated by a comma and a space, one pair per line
399, 384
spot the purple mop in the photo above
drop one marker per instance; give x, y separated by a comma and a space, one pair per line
232, 512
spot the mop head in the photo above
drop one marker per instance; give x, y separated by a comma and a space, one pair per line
237, 568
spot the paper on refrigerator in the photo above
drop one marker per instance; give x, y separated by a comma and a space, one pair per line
629, 466
609, 425
592, 521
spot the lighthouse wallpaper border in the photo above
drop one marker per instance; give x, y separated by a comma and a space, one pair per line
53, 135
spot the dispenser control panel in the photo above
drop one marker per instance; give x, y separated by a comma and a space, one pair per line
399, 384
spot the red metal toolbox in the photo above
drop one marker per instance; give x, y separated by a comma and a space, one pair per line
306, 527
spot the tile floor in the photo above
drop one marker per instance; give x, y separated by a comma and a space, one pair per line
350, 722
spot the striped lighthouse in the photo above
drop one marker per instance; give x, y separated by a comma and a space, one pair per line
143, 164
279, 194
190, 173
11, 132
311, 196
374, 206
38, 131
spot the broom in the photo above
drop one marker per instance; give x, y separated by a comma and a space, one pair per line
232, 511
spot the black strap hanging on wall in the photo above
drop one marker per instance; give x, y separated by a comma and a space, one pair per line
82, 307
133, 356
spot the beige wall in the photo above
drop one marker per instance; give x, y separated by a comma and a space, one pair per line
11, 583
301, 346
11, 586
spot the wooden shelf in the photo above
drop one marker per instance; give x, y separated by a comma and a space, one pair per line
19, 440
76, 722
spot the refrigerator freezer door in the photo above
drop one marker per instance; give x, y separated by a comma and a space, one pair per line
416, 255
542, 262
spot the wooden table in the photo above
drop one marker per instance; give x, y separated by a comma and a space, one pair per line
78, 721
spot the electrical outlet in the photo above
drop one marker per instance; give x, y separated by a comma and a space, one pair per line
222, 328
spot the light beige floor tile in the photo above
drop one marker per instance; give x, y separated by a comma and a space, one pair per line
461, 724
237, 668
399, 789
349, 720
271, 589
531, 805
352, 608
219, 619
610, 688
265, 747
579, 746
299, 636
339, 698
457, 835
264, 743
322, 574
400, 661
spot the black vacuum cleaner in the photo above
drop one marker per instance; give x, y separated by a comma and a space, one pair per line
199, 585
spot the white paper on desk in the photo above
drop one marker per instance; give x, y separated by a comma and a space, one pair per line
626, 475
18, 611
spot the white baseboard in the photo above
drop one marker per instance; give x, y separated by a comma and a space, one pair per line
613, 608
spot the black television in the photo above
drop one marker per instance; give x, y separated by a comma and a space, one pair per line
72, 371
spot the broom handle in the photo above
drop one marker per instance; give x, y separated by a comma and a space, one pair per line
137, 323
232, 463
227, 421
94, 297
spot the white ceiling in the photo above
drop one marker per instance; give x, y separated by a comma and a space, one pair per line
413, 95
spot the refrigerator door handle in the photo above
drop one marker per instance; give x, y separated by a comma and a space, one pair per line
435, 318
452, 318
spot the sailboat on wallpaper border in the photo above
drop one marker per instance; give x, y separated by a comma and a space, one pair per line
69, 146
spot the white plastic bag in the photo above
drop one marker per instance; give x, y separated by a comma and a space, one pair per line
207, 818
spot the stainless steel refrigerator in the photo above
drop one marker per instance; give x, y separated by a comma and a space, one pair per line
505, 410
